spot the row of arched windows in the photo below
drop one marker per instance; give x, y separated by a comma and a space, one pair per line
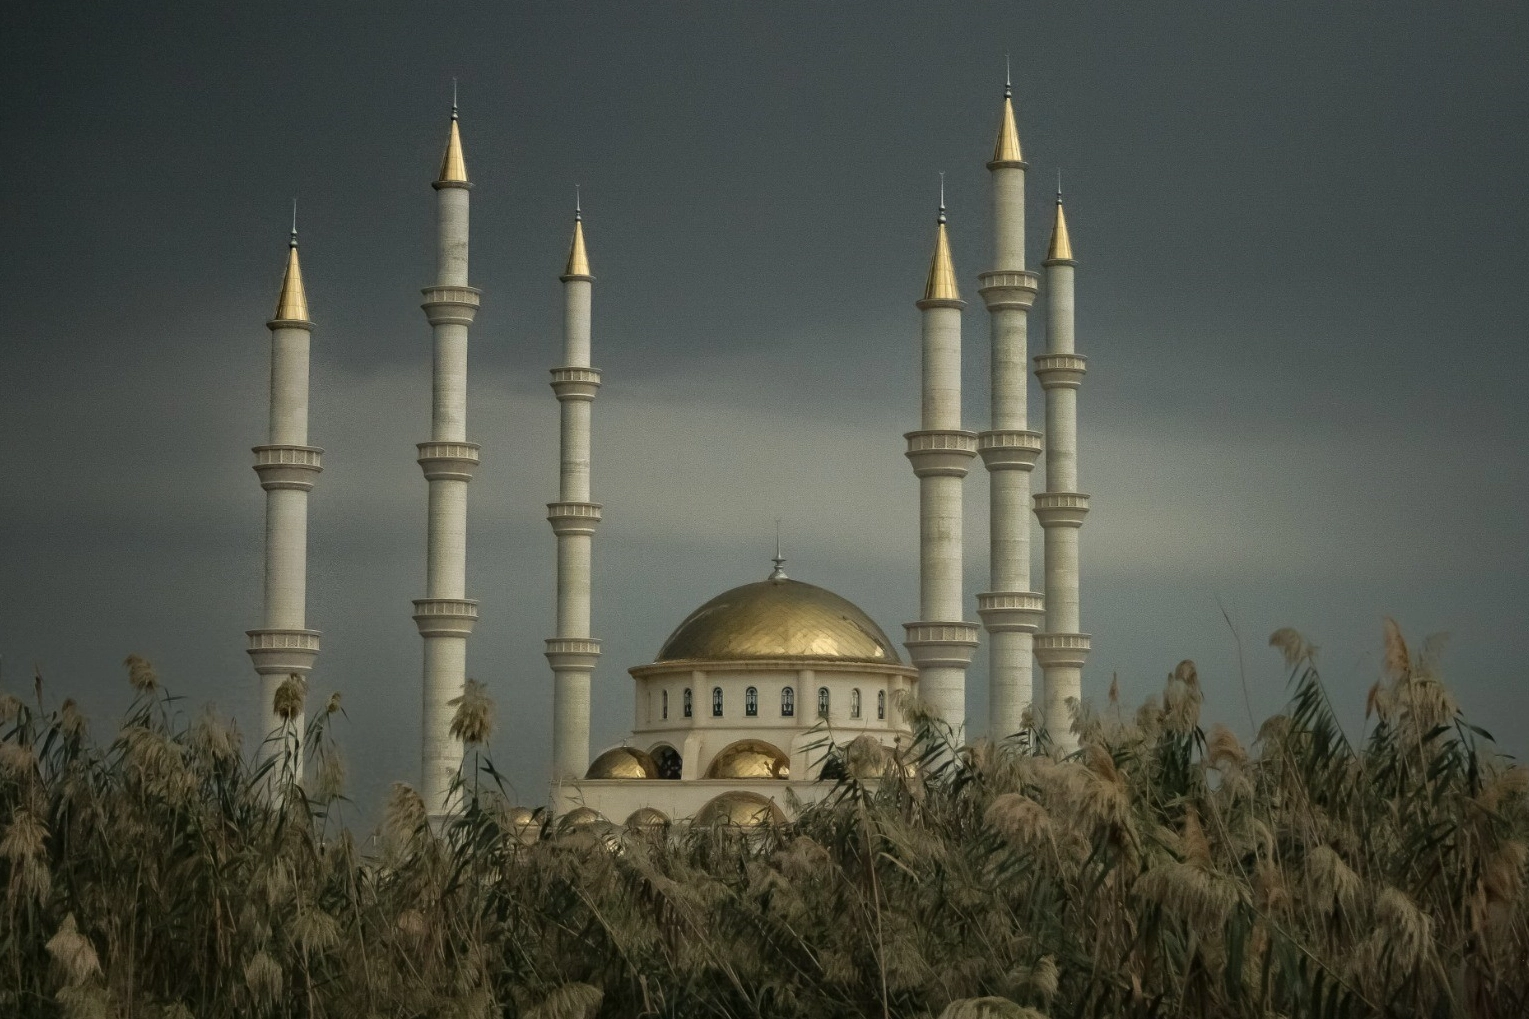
787, 702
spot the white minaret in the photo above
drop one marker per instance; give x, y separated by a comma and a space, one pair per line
941, 644
573, 652
288, 467
445, 615
1060, 649
1010, 611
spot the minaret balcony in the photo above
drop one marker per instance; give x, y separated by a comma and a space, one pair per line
577, 654
1009, 449
282, 652
1065, 649
1007, 288
285, 466
1060, 370
575, 383
451, 305
573, 517
448, 461
1011, 611
936, 644
445, 617
941, 452
1061, 509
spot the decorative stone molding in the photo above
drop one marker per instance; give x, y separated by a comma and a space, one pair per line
1061, 509
282, 652
575, 383
451, 305
445, 617
573, 654
1064, 649
282, 466
941, 643
448, 461
290, 323
1014, 449
1011, 611
1004, 289
1060, 370
573, 517
936, 452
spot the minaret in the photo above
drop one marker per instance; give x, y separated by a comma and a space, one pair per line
1010, 611
445, 615
941, 644
573, 652
1060, 649
288, 467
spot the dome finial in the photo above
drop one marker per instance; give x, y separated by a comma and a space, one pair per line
941, 282
453, 163
293, 242
1061, 243
942, 196
779, 573
578, 256
292, 305
1008, 85
453, 98
578, 205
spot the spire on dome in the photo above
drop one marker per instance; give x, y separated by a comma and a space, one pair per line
292, 305
941, 284
1006, 148
1061, 244
453, 164
578, 257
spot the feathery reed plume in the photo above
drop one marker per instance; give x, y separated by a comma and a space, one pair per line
16, 759
1223, 751
473, 722
263, 978
1019, 818
570, 1001
1293, 646
10, 708
1397, 662
72, 721
989, 1008
1331, 882
141, 674
289, 697
73, 953
1402, 930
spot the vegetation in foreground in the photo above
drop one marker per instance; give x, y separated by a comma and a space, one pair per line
1160, 871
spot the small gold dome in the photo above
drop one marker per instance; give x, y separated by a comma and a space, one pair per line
744, 809
623, 762
580, 817
778, 618
647, 817
750, 758
523, 825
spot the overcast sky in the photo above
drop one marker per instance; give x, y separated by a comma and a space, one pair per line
1303, 241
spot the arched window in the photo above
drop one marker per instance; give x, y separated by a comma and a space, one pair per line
751, 702
881, 704
854, 703
664, 700
668, 761
822, 702
716, 702
688, 708
787, 702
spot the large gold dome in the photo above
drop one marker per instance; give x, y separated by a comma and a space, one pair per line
778, 618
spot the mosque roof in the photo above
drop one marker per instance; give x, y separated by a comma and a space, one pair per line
778, 618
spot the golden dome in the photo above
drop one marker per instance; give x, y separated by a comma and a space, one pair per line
647, 817
580, 817
750, 758
744, 809
523, 825
778, 618
623, 762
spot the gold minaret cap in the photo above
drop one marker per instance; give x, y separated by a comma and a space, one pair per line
292, 305
1061, 244
453, 164
578, 257
941, 284
1006, 148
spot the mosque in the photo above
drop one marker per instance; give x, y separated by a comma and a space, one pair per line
735, 717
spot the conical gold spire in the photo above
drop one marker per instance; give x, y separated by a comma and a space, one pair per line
941, 285
1061, 244
453, 165
292, 305
578, 258
1006, 148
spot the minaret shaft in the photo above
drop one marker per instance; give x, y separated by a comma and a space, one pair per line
446, 616
941, 643
283, 646
1061, 649
573, 653
1010, 610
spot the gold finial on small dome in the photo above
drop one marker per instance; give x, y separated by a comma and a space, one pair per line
578, 257
1061, 244
941, 284
292, 305
1006, 148
453, 163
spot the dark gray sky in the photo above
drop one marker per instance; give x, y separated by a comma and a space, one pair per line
1302, 233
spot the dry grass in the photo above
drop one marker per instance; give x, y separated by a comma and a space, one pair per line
1158, 872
